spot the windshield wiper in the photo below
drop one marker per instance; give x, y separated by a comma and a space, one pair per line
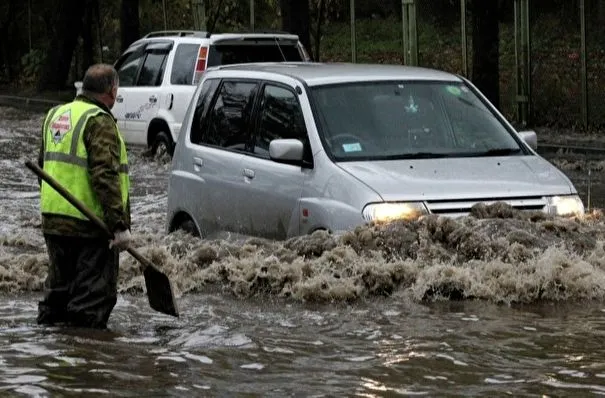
417, 155
500, 152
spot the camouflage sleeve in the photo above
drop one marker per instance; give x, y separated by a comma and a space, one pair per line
101, 141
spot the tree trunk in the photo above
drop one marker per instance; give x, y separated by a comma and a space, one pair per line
88, 52
486, 48
5, 26
320, 20
295, 19
56, 67
129, 23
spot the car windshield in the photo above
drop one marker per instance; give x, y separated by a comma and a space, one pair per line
406, 120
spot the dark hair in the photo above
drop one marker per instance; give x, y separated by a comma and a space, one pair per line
99, 79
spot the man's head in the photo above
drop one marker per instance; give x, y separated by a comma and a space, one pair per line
101, 82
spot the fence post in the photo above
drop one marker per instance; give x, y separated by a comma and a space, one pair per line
410, 33
353, 35
522, 61
463, 37
583, 57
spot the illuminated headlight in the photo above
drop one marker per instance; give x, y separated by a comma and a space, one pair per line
565, 205
384, 212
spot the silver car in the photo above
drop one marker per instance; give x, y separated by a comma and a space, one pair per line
283, 149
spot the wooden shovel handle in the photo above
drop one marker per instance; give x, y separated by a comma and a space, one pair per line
83, 209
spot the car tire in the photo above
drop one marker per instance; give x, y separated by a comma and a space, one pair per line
189, 227
162, 145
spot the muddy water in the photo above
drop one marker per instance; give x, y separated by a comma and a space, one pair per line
499, 303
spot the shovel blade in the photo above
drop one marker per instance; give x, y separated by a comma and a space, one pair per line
159, 291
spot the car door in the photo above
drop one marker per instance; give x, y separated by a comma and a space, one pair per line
146, 97
272, 192
128, 66
219, 139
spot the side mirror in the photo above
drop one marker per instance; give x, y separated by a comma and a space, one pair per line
78, 86
286, 150
530, 138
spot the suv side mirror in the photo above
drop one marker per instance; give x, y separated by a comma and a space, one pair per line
288, 150
530, 138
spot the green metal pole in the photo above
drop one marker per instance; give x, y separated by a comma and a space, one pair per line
405, 30
583, 62
527, 71
410, 32
252, 15
164, 12
463, 37
413, 34
353, 41
522, 61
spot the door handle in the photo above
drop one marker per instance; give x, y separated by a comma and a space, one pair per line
197, 163
153, 99
119, 99
248, 173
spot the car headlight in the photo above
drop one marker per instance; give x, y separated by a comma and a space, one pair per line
384, 212
569, 205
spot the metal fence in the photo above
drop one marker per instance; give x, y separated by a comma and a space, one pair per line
551, 65
550, 72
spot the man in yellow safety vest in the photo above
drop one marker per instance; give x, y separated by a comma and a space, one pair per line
84, 151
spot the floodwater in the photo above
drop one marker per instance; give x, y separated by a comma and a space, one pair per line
495, 304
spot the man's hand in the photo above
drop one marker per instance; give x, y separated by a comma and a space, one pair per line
121, 240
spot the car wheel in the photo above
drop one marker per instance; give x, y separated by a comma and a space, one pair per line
162, 146
189, 227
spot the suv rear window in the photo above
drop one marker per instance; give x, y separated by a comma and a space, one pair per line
184, 63
225, 54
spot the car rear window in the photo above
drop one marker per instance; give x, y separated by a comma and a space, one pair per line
225, 54
184, 63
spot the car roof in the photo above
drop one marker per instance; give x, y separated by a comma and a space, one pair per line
314, 73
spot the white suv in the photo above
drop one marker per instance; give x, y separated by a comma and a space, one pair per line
159, 74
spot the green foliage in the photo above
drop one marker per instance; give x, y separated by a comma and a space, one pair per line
30, 66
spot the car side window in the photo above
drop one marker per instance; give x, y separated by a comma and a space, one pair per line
128, 68
184, 64
201, 109
152, 72
228, 122
280, 116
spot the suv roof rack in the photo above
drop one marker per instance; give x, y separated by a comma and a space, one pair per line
180, 33
252, 32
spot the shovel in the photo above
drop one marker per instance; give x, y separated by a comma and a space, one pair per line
159, 288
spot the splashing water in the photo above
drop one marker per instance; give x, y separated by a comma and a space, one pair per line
497, 254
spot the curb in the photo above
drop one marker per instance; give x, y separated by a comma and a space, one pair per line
27, 102
597, 153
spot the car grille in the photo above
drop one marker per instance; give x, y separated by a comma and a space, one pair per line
462, 207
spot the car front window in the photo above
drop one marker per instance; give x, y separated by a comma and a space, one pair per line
401, 119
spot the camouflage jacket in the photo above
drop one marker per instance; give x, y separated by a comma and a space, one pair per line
101, 141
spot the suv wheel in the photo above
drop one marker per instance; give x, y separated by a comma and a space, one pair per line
162, 146
189, 227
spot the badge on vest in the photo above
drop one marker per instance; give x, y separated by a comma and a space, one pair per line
60, 126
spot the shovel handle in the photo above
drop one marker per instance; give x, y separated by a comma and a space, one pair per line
83, 209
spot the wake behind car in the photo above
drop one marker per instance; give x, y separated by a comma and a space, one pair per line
279, 150
159, 74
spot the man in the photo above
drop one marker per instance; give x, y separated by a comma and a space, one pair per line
84, 151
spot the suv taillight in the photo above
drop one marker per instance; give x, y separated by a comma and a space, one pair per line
200, 65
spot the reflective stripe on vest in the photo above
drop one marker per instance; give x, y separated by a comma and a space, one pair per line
66, 159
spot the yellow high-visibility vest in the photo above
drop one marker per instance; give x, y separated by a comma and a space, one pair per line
66, 160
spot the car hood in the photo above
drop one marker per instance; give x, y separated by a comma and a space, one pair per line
458, 178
